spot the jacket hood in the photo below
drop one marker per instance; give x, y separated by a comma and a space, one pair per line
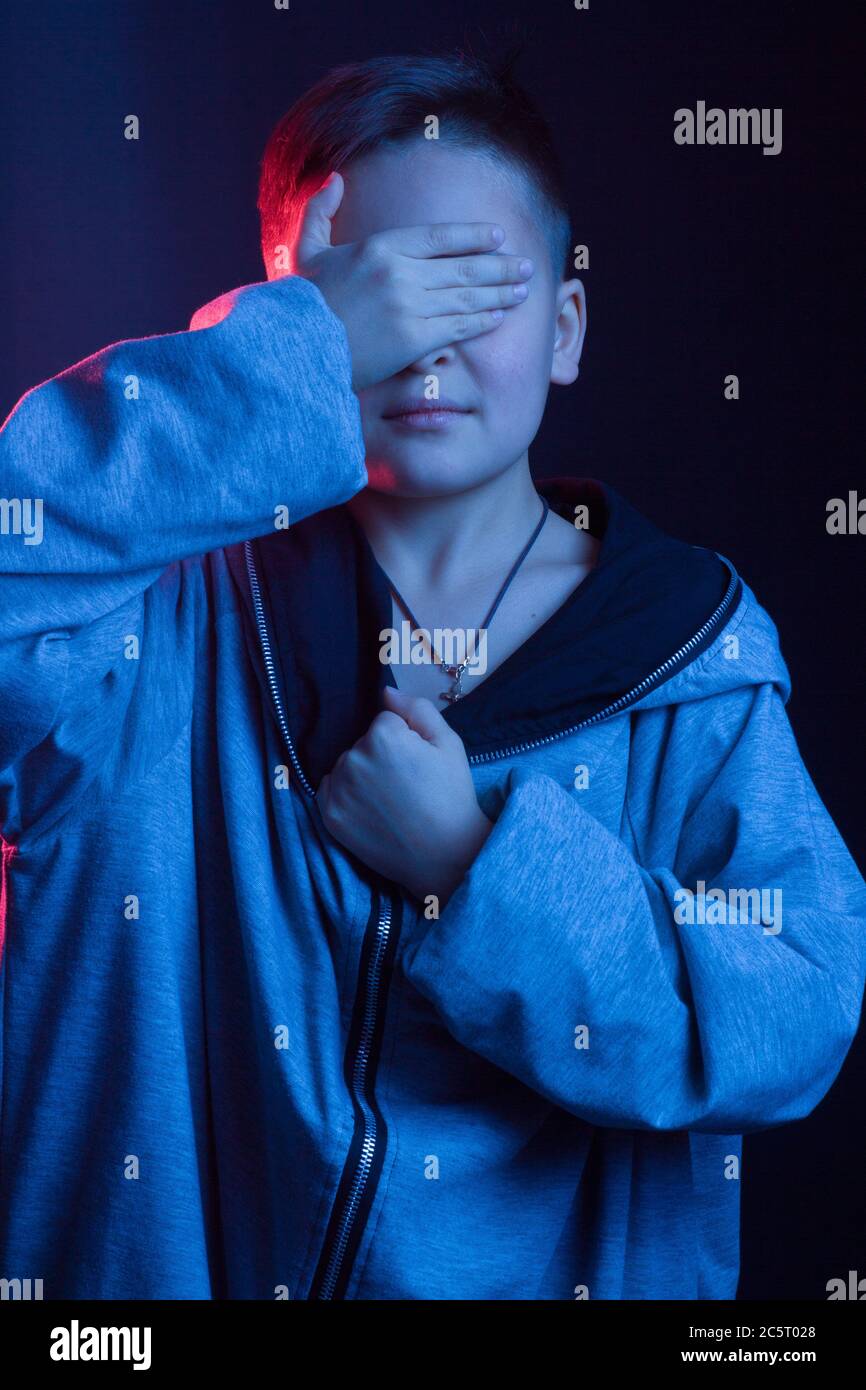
648, 626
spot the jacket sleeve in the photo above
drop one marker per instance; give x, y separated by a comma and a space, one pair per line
118, 473
556, 927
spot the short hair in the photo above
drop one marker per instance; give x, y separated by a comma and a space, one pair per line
360, 107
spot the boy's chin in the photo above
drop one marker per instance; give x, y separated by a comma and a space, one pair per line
423, 479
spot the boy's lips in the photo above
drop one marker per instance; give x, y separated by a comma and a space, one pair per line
427, 415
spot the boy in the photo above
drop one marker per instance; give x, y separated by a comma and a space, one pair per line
320, 985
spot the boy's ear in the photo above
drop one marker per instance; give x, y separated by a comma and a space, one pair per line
570, 332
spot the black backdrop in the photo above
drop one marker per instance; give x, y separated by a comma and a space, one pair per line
703, 262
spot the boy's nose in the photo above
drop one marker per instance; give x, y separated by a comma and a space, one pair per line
438, 358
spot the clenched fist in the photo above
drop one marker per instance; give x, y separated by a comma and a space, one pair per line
402, 799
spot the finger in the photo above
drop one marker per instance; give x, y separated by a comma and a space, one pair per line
469, 299
314, 234
443, 238
445, 329
420, 714
475, 270
385, 722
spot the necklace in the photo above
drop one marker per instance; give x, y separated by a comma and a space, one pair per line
457, 672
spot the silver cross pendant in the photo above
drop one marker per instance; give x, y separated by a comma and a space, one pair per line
456, 674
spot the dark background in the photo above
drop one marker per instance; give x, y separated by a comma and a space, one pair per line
703, 261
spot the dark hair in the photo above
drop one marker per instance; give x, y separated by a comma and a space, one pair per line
359, 107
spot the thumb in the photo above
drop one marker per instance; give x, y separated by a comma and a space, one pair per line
315, 230
419, 713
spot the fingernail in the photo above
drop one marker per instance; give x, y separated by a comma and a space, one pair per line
526, 267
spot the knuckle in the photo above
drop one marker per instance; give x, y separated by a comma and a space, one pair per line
440, 237
376, 258
373, 247
375, 732
356, 255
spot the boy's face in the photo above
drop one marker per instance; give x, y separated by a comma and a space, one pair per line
502, 377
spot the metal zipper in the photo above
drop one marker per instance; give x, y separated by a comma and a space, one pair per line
261, 624
331, 1264
660, 673
372, 998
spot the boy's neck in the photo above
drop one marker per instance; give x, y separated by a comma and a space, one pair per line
446, 542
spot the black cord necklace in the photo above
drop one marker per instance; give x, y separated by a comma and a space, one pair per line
456, 672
